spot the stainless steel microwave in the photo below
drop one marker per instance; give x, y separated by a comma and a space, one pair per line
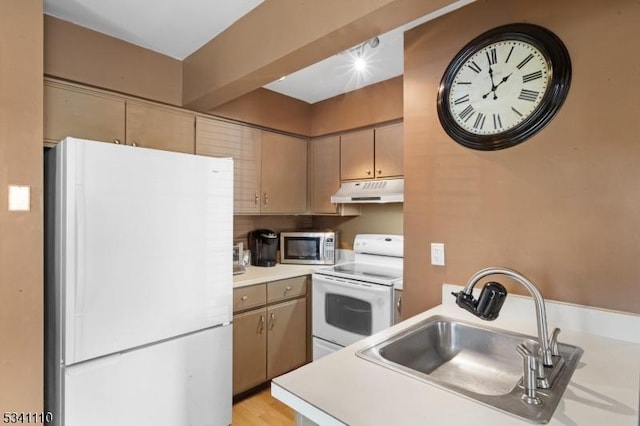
308, 247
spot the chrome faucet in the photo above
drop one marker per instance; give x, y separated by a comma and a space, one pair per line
488, 305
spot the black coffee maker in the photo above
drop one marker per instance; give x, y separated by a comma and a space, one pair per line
263, 244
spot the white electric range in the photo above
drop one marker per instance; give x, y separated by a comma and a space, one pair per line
356, 299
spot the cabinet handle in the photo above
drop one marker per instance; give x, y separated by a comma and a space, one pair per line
399, 305
256, 199
266, 199
116, 141
261, 324
379, 171
287, 289
134, 144
272, 321
368, 172
244, 298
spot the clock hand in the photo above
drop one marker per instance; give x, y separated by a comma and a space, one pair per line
495, 86
504, 79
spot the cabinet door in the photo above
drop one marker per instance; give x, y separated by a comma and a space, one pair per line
218, 138
249, 350
284, 174
388, 146
152, 126
287, 342
324, 173
248, 177
82, 114
356, 155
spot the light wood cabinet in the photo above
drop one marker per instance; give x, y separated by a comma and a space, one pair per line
249, 349
372, 153
356, 155
324, 178
71, 110
286, 341
219, 138
389, 150
284, 174
270, 169
270, 331
81, 114
324, 174
152, 126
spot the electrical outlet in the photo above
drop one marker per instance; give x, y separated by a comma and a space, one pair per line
437, 254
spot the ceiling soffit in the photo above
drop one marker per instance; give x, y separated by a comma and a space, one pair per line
280, 37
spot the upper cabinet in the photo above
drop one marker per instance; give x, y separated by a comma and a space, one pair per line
270, 169
324, 174
284, 174
372, 153
224, 139
84, 113
69, 111
155, 126
356, 155
388, 150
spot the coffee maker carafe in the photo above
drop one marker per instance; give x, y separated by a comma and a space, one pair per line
263, 244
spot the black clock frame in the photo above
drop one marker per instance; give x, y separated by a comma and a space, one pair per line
559, 61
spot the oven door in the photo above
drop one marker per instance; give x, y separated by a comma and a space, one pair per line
345, 311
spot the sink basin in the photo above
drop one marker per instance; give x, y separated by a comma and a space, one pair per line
477, 362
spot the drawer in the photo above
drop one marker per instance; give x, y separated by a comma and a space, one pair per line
287, 289
249, 297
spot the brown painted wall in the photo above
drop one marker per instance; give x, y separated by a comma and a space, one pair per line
562, 207
266, 108
377, 103
78, 54
21, 236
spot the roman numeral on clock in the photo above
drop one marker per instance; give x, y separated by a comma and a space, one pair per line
461, 100
524, 61
479, 123
509, 55
528, 95
492, 56
531, 76
497, 123
475, 67
466, 113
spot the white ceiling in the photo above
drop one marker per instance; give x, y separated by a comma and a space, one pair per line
177, 28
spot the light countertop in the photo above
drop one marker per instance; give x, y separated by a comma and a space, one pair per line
259, 274
604, 390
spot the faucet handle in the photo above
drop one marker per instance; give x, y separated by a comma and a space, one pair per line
553, 342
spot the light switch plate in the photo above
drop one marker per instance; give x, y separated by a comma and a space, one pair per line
19, 198
437, 254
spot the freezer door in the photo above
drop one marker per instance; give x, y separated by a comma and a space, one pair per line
144, 246
185, 381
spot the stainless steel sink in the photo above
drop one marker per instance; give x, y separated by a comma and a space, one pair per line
476, 362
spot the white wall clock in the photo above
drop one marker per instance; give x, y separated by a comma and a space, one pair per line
504, 86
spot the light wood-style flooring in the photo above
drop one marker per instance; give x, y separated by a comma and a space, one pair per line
261, 409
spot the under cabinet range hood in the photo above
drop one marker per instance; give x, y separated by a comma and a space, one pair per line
370, 191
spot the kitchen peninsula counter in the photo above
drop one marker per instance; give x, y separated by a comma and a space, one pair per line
259, 274
344, 389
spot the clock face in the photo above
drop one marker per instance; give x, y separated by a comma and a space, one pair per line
498, 87
504, 86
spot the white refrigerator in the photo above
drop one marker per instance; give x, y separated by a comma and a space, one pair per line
138, 287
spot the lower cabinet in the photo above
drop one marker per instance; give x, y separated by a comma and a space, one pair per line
270, 334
